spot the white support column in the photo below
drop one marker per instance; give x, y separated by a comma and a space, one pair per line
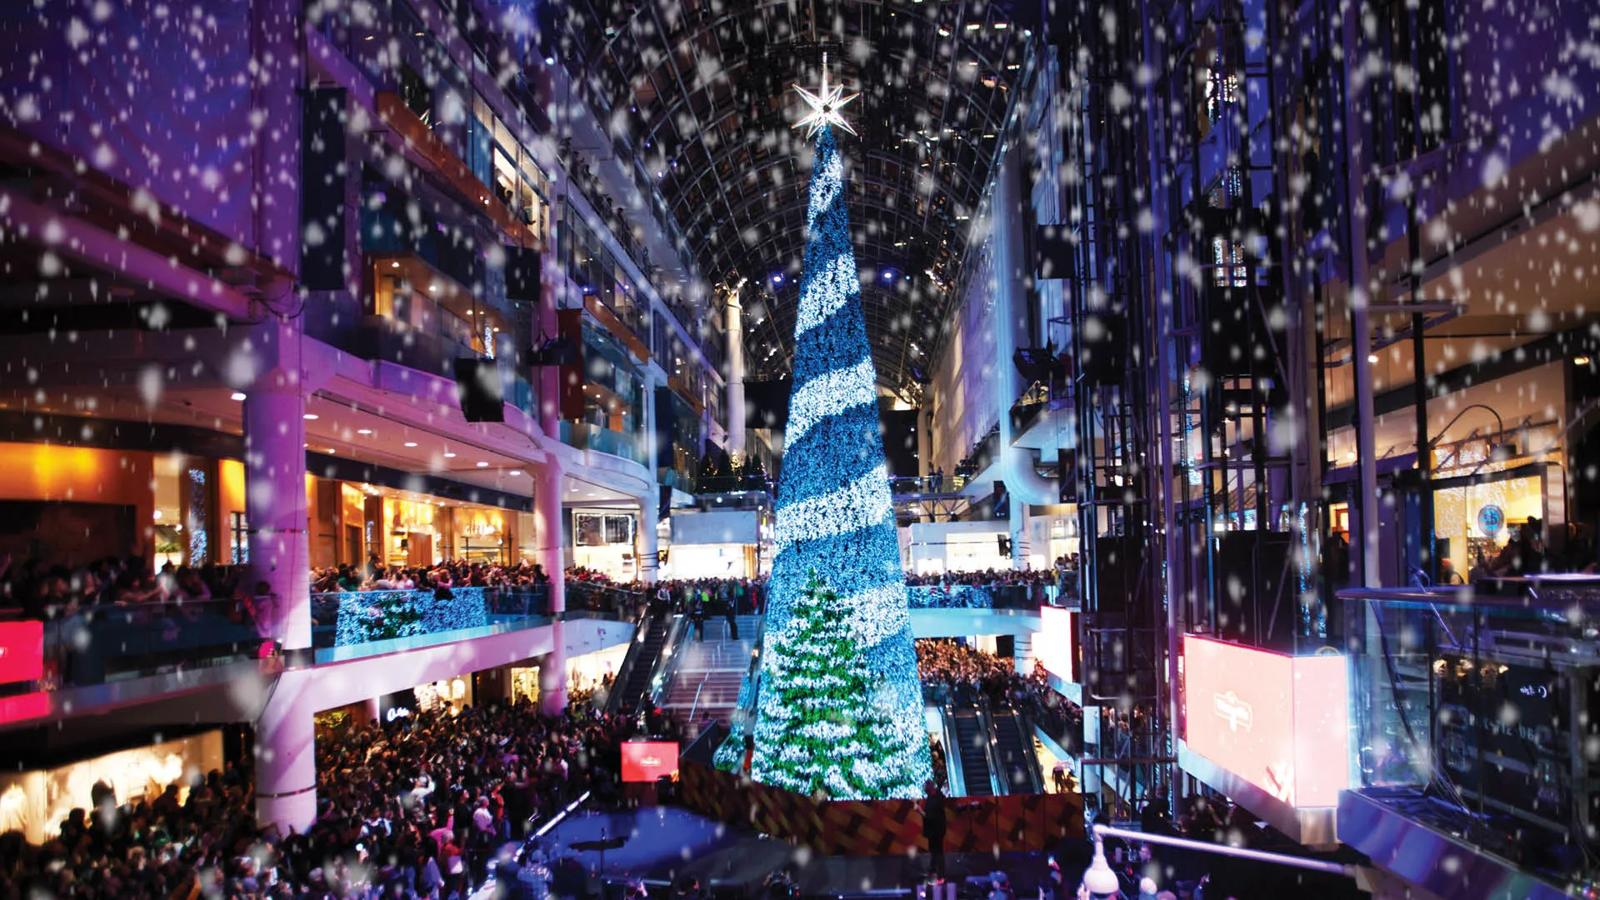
547, 520
275, 487
736, 410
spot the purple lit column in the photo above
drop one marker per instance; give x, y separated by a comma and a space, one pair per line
650, 502
286, 768
547, 520
275, 491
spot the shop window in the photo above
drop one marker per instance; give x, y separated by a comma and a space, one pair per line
1414, 38
1228, 268
414, 93
196, 521
238, 539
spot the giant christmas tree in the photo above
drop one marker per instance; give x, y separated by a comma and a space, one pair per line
835, 524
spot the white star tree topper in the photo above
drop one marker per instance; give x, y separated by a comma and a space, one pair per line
825, 105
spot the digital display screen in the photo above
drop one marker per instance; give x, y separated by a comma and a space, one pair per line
645, 761
21, 651
1280, 722
1054, 646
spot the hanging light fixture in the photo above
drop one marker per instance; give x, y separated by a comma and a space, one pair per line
1099, 878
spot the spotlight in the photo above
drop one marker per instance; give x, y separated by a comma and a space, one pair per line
237, 396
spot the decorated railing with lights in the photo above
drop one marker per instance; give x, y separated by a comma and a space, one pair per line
350, 622
971, 596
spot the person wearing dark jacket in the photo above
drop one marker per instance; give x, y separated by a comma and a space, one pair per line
933, 827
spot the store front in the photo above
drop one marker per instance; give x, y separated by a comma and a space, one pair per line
1476, 516
36, 802
718, 544
603, 540
935, 548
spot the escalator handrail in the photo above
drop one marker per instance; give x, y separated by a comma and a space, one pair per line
954, 770
1024, 734
666, 662
998, 781
984, 732
615, 702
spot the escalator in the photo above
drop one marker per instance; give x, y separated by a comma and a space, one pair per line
1014, 754
634, 678
972, 748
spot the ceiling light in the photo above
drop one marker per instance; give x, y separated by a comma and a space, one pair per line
449, 455
237, 395
310, 417
1001, 26
411, 443
433, 289
363, 431
974, 26
1580, 360
395, 264
482, 465
1372, 358
516, 473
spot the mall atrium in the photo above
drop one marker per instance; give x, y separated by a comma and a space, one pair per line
817, 448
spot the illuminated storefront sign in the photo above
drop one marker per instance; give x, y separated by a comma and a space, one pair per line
21, 651
645, 761
1280, 722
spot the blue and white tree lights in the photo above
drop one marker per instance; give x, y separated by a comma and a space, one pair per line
837, 582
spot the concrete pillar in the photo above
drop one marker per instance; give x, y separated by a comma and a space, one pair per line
646, 543
1022, 647
925, 439
736, 410
649, 512
275, 98
275, 489
1018, 523
547, 520
1365, 543
286, 768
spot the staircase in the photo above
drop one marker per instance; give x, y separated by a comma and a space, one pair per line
972, 751
707, 674
643, 664
1018, 764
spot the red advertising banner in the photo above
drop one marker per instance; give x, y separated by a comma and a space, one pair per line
645, 761
21, 651
1280, 722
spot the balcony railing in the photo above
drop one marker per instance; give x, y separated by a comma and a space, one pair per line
114, 643
584, 436
381, 338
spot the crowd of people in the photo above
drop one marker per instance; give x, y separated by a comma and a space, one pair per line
417, 807
446, 574
37, 591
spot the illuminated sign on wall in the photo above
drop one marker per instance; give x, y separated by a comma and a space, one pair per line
21, 651
645, 761
1280, 722
1054, 645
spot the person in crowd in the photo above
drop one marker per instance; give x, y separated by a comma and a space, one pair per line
411, 808
1524, 554
934, 824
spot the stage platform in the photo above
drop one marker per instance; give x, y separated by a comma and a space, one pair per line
665, 843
